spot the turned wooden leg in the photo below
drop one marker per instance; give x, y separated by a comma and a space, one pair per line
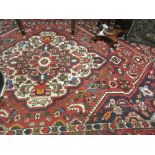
54, 21
20, 25
72, 26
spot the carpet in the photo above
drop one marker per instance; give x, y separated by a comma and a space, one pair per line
58, 83
7, 26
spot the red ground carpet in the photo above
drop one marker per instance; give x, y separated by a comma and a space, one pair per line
58, 83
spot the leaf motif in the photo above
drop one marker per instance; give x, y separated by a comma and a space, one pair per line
107, 115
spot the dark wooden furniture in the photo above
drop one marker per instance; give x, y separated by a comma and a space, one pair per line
73, 22
20, 26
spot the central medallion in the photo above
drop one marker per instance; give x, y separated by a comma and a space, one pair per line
44, 62
48, 65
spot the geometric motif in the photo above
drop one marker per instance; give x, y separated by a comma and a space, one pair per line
114, 59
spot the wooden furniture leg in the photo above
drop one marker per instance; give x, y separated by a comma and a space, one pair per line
20, 25
73, 26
